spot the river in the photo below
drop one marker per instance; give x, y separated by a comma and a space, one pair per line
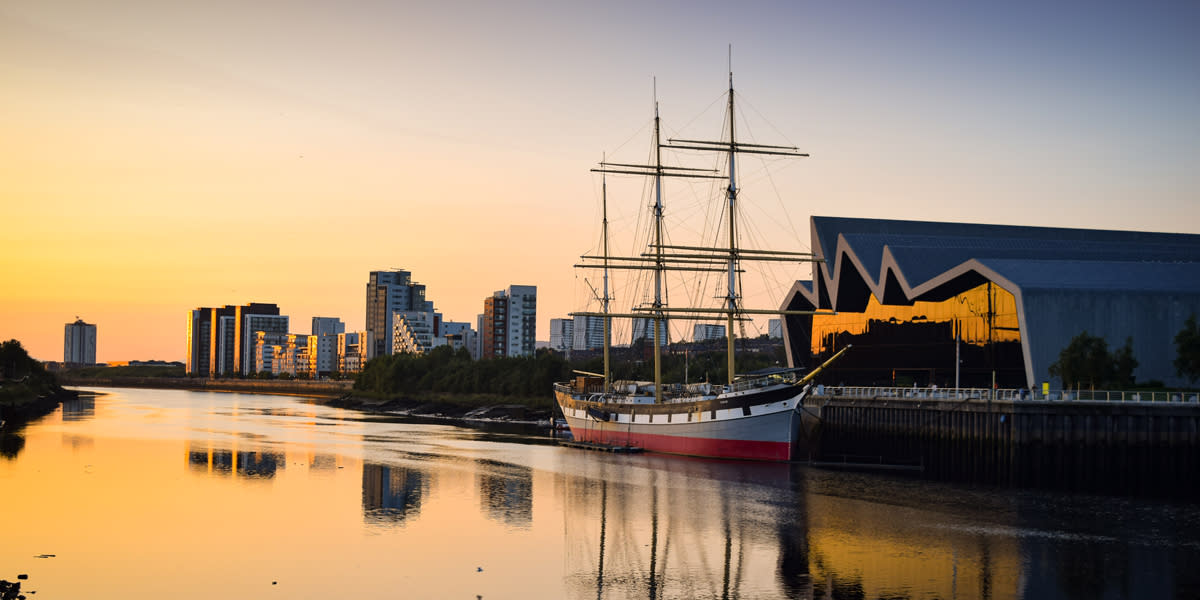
176, 494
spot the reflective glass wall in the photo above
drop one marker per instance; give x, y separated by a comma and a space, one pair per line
907, 345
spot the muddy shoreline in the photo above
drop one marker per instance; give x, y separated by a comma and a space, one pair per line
443, 411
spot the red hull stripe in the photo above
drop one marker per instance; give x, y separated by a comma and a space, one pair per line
692, 446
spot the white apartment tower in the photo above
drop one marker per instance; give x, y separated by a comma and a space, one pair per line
79, 343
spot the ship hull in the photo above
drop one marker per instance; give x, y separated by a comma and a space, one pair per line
760, 425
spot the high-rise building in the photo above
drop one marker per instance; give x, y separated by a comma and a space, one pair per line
587, 333
775, 329
510, 322
252, 325
217, 339
327, 326
389, 292
643, 329
199, 335
79, 343
562, 334
706, 332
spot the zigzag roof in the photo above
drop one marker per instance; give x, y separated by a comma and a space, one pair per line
905, 261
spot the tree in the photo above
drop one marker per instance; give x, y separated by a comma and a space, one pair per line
1085, 360
16, 363
1123, 365
1187, 348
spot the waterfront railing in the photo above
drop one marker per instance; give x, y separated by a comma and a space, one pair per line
1006, 394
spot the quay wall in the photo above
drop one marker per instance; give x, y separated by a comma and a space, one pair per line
1118, 447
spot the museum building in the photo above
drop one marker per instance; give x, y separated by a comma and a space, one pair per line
1002, 301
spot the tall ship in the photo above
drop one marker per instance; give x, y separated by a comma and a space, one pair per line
753, 416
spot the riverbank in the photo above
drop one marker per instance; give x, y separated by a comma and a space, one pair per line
468, 409
293, 387
17, 411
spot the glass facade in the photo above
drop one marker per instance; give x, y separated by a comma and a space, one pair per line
915, 344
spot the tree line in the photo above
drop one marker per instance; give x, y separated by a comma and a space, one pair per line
444, 370
1087, 361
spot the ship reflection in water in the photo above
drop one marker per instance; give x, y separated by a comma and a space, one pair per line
687, 529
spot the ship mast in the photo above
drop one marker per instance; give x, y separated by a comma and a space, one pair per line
663, 257
659, 265
734, 255
731, 193
606, 299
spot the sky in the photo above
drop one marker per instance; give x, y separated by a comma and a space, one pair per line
160, 156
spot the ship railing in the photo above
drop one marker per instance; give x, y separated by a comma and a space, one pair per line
1007, 394
758, 381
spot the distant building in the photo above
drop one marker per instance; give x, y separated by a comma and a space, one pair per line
775, 329
643, 329
705, 332
389, 292
354, 349
415, 332
587, 333
252, 325
327, 326
79, 343
322, 355
510, 322
562, 334
216, 339
457, 334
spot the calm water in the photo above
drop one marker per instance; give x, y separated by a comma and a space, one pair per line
172, 494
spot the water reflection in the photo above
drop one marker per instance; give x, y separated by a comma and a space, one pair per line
392, 493
684, 529
82, 408
506, 492
443, 512
11, 445
78, 443
247, 463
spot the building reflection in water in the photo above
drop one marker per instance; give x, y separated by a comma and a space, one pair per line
252, 464
82, 408
506, 493
78, 442
392, 493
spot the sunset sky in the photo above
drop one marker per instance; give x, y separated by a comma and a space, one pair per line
159, 156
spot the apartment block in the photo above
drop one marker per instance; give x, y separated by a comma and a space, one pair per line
510, 322
389, 292
79, 343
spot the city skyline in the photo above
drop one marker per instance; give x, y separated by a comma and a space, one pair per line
159, 158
